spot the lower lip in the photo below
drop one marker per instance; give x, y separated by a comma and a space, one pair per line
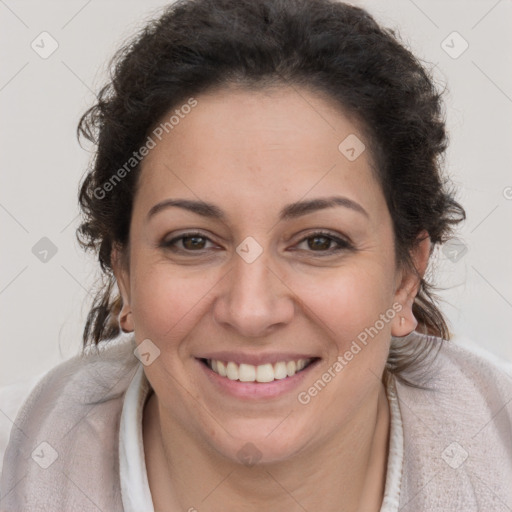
256, 390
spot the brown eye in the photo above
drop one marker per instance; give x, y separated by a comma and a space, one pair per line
193, 242
322, 243
190, 242
319, 242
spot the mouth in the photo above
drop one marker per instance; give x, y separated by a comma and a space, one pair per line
263, 373
260, 382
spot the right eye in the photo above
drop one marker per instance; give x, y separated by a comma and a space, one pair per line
190, 242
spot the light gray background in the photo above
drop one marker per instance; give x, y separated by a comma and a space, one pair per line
43, 305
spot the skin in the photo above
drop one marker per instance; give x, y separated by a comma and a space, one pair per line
251, 153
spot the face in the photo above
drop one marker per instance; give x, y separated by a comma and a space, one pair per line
256, 280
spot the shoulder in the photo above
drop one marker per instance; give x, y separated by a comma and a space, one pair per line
469, 369
457, 430
87, 378
11, 399
476, 380
460, 365
459, 380
75, 408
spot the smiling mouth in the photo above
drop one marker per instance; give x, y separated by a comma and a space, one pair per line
263, 373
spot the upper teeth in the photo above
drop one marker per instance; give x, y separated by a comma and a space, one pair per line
262, 373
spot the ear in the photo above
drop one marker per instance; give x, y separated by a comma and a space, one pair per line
408, 284
122, 275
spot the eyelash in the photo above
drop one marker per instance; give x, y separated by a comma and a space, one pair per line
343, 245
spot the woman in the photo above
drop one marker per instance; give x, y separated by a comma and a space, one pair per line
265, 196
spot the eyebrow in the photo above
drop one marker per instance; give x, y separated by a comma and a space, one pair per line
290, 211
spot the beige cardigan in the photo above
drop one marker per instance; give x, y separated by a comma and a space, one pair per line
457, 437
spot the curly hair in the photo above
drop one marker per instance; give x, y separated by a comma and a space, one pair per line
330, 47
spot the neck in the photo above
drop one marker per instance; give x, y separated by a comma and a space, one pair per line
345, 473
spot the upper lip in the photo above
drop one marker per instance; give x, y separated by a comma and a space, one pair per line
256, 359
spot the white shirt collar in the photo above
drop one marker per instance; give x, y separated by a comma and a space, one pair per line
135, 490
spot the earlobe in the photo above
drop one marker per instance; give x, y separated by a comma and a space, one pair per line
405, 322
125, 319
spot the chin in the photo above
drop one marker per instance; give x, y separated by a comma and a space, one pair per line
257, 446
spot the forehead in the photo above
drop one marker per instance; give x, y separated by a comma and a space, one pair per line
268, 146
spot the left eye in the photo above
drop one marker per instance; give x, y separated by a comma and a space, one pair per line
321, 242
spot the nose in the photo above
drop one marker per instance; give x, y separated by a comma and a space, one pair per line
253, 299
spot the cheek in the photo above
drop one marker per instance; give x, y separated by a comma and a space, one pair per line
166, 301
348, 300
